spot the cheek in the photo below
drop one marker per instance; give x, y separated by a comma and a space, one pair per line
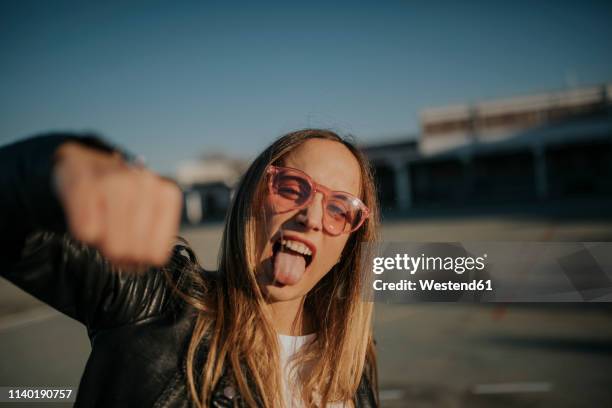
272, 219
329, 255
268, 224
273, 222
268, 208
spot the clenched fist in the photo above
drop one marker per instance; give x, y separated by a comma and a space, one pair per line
130, 214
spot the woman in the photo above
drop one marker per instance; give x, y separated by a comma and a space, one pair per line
281, 323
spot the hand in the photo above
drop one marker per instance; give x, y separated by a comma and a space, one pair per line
130, 214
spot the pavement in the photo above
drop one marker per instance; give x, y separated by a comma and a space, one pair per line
429, 355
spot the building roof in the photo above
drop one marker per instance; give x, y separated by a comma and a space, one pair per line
588, 129
534, 102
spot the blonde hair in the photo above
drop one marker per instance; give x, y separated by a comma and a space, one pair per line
231, 323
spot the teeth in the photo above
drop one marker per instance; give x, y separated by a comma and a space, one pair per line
296, 246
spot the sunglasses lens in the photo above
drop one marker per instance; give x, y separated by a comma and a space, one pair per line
289, 190
343, 214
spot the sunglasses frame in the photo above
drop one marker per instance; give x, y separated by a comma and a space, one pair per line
314, 188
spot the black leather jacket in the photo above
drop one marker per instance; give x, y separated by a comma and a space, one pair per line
139, 331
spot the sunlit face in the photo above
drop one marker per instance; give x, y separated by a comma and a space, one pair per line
328, 163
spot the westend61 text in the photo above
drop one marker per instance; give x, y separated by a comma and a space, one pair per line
430, 284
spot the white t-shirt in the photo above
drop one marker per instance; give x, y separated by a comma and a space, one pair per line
289, 345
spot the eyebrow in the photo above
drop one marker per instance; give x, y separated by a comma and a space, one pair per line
358, 195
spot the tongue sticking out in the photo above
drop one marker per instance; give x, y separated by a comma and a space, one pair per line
289, 267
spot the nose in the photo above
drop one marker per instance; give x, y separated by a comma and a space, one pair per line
311, 216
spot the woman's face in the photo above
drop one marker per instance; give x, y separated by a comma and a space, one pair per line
286, 274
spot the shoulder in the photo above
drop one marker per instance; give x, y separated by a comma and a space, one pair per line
188, 284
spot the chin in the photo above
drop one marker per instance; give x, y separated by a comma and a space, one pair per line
284, 293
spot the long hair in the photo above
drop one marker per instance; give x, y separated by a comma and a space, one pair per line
232, 325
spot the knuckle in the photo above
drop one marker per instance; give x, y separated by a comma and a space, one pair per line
158, 258
112, 250
83, 232
107, 250
170, 193
148, 180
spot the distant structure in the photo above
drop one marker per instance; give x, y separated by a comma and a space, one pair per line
391, 162
459, 125
207, 184
552, 146
537, 147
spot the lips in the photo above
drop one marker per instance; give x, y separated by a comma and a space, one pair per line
295, 244
291, 256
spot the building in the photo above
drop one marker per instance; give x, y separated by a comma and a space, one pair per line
207, 184
524, 149
527, 149
390, 161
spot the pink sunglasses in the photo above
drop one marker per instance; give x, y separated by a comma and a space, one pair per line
292, 189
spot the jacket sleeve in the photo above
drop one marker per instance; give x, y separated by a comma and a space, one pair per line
37, 254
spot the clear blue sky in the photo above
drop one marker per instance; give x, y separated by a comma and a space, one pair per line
169, 80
